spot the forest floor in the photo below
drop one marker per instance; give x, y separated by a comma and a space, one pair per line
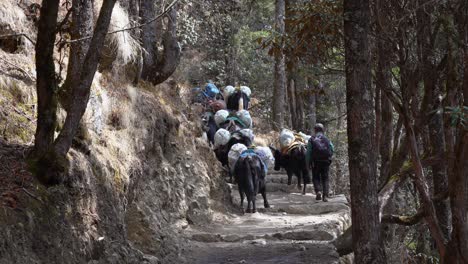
296, 229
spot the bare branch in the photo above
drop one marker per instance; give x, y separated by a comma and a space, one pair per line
17, 35
334, 118
19, 69
65, 19
403, 219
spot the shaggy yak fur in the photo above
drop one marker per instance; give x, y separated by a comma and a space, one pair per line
234, 102
223, 151
250, 176
294, 162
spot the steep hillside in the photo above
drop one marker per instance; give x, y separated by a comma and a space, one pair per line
139, 176
140, 171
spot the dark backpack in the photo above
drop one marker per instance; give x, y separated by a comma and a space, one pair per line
321, 149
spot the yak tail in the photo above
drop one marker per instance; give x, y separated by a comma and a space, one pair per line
241, 103
251, 179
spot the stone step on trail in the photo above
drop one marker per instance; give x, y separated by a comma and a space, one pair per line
296, 203
258, 253
290, 216
295, 229
280, 178
284, 188
278, 183
273, 227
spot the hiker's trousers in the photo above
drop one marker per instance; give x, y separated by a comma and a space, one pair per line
320, 177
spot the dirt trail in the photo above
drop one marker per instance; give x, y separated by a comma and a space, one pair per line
296, 229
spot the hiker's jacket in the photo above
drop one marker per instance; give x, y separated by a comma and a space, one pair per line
309, 148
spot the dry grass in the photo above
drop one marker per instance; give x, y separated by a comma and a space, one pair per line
126, 48
12, 15
17, 115
13, 20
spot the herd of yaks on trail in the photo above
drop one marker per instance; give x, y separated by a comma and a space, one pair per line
228, 127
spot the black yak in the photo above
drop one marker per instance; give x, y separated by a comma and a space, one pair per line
294, 162
250, 174
222, 151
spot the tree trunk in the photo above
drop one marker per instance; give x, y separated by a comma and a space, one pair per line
299, 95
439, 171
280, 71
458, 192
458, 174
168, 61
291, 103
432, 115
158, 66
312, 103
423, 190
148, 36
82, 26
339, 175
367, 242
46, 78
384, 83
81, 89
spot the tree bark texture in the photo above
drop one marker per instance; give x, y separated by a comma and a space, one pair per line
384, 83
82, 26
46, 78
300, 85
280, 70
158, 66
423, 190
367, 242
292, 102
458, 177
148, 36
81, 89
168, 61
433, 114
312, 106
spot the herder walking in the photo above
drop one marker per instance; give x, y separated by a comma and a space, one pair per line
319, 156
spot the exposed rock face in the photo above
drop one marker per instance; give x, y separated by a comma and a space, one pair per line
142, 177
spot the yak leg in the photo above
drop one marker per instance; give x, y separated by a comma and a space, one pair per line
254, 208
241, 193
306, 179
290, 174
230, 175
299, 180
249, 203
265, 201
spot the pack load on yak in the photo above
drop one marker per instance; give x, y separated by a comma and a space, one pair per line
304, 136
216, 105
266, 156
234, 154
247, 135
211, 91
207, 96
221, 137
234, 137
245, 118
228, 90
238, 120
289, 140
286, 138
221, 117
